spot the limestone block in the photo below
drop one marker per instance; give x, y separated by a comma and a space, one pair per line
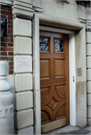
88, 49
22, 27
81, 105
88, 74
2, 68
23, 82
56, 9
22, 64
83, 77
88, 62
26, 131
88, 37
24, 118
89, 112
24, 100
89, 99
89, 87
81, 12
22, 45
88, 13
89, 122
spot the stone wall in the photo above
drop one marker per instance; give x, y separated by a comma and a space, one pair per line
6, 45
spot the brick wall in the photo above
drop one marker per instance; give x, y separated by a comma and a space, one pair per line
6, 45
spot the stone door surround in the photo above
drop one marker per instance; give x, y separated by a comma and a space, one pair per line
80, 81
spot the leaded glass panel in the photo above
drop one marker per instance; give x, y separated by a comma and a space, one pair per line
44, 44
58, 45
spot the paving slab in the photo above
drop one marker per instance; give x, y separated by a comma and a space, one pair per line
80, 131
67, 130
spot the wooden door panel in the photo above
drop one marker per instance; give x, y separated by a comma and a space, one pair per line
54, 81
61, 111
52, 103
48, 112
48, 55
60, 90
45, 93
59, 68
44, 68
45, 116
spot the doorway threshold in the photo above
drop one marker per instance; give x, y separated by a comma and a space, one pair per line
71, 130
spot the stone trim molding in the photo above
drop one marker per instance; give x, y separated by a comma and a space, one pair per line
6, 2
85, 21
61, 23
22, 9
37, 9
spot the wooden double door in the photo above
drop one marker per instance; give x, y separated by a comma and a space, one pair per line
54, 80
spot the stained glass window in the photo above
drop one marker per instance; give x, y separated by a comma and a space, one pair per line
43, 44
58, 45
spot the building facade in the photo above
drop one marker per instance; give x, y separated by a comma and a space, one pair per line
47, 46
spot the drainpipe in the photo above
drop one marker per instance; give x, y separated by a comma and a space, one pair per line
6, 103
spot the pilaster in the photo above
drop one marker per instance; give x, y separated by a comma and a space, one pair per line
88, 48
84, 16
22, 30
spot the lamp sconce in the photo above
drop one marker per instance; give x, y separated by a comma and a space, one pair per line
66, 1
3, 23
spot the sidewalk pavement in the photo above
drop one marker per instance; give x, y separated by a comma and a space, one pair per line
71, 130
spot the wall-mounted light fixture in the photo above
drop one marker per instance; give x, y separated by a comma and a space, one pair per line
3, 23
